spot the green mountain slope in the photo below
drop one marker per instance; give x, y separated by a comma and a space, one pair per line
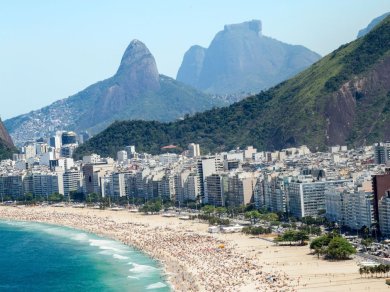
343, 98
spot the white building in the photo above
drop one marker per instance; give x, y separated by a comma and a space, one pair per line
193, 150
307, 197
121, 156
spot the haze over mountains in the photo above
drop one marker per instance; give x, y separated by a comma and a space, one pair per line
136, 91
372, 24
241, 59
343, 98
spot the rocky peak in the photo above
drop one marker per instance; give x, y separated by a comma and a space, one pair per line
138, 69
253, 25
192, 65
240, 60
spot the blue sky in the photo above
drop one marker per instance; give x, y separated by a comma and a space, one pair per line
52, 49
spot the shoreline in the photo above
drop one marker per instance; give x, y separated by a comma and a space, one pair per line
157, 263
192, 259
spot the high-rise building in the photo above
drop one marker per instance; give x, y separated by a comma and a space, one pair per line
122, 156
46, 184
118, 184
30, 150
193, 150
240, 189
380, 184
68, 150
68, 138
307, 197
11, 185
206, 166
382, 153
384, 214
130, 150
216, 189
93, 173
192, 188
72, 181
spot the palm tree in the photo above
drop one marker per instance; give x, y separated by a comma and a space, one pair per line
361, 271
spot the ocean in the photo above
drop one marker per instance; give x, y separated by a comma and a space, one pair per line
42, 257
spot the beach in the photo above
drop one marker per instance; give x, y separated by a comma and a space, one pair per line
195, 260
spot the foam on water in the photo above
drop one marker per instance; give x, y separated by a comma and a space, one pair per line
119, 257
107, 258
142, 269
80, 237
156, 286
105, 244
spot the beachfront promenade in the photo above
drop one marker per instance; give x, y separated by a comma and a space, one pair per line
195, 260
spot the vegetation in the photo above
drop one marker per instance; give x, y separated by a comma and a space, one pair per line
56, 197
153, 206
261, 119
256, 230
293, 236
320, 244
6, 151
333, 246
212, 220
339, 249
253, 216
379, 269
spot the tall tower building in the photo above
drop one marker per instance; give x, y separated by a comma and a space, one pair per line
193, 150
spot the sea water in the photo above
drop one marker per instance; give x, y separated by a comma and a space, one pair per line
42, 257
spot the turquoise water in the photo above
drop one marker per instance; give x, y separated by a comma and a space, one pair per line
41, 257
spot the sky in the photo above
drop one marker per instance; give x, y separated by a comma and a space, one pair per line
51, 49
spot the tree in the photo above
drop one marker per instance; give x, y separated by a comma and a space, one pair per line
220, 211
320, 244
252, 216
301, 236
270, 217
339, 248
93, 198
77, 196
152, 207
56, 197
208, 209
364, 232
366, 242
293, 236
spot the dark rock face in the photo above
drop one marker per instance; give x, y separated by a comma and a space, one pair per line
371, 25
241, 59
5, 138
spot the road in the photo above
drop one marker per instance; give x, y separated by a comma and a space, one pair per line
374, 258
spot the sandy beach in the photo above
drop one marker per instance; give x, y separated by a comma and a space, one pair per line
194, 260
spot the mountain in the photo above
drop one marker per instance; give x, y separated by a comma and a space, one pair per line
343, 98
240, 59
7, 147
372, 24
136, 91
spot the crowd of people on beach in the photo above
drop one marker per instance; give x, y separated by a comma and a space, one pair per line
192, 261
